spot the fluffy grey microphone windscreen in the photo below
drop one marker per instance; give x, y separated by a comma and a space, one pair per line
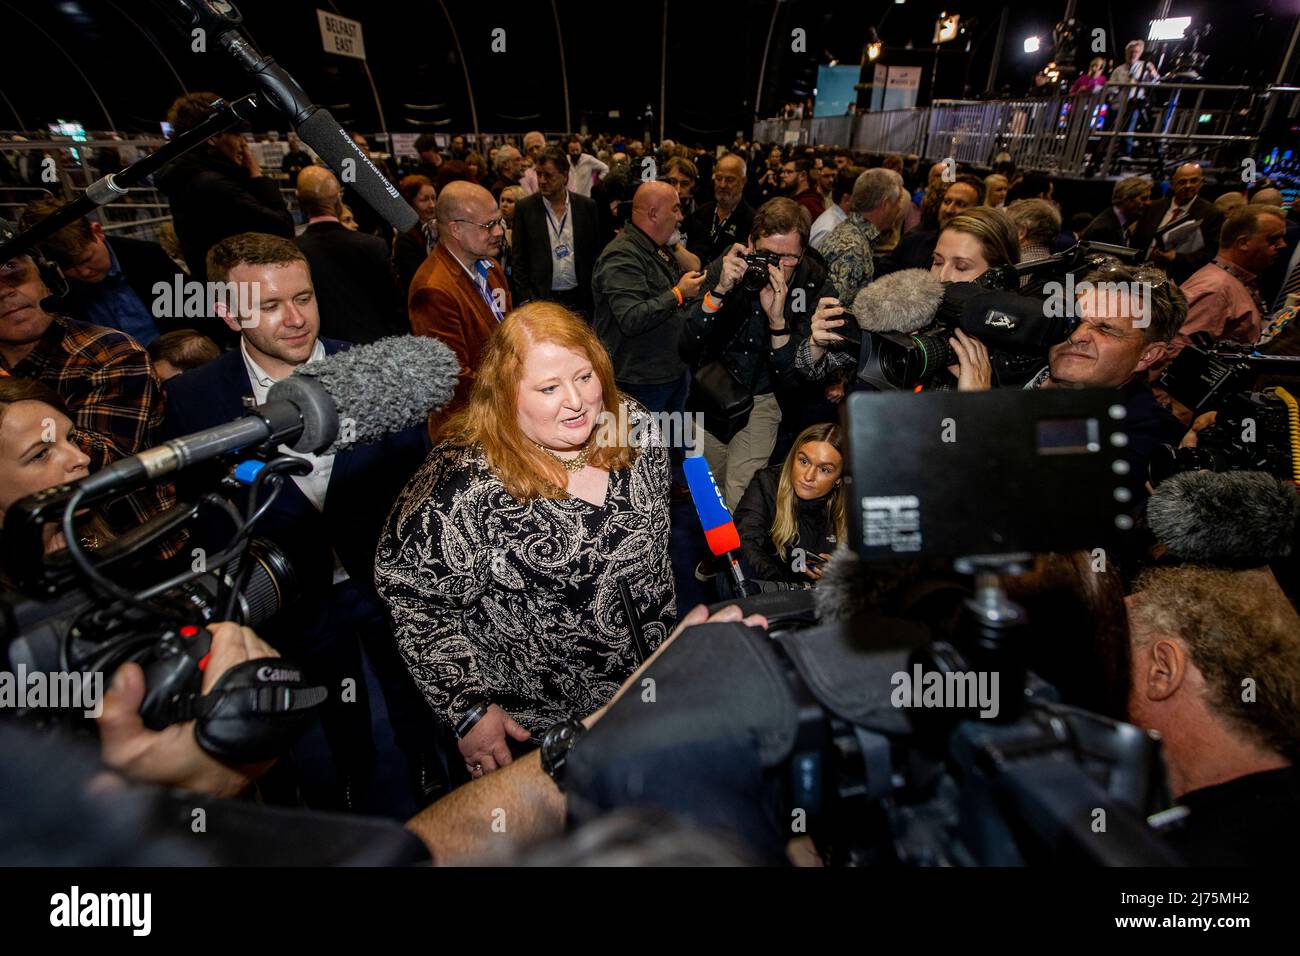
386, 386
903, 301
1228, 519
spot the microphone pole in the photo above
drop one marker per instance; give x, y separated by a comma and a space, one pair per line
317, 128
114, 186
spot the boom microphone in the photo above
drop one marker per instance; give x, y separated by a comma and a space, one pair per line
314, 125
901, 302
1228, 519
324, 407
905, 302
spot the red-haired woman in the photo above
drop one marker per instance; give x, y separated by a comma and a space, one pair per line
503, 560
410, 248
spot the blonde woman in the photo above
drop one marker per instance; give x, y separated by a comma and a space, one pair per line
792, 515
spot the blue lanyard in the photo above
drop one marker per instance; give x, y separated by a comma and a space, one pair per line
559, 230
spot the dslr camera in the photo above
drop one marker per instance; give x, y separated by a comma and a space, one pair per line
756, 275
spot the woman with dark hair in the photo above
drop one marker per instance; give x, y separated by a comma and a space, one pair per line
792, 515
512, 559
412, 247
1074, 602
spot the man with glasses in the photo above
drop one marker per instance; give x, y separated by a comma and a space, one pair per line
556, 239
682, 174
750, 334
460, 293
798, 181
717, 226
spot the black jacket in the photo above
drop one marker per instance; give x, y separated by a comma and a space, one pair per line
355, 288
409, 252
1211, 219
212, 199
700, 237
530, 247
364, 483
1106, 227
914, 251
755, 516
738, 336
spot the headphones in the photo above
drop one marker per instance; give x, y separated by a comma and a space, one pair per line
55, 281
52, 276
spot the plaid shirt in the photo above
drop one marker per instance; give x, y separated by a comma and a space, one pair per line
116, 401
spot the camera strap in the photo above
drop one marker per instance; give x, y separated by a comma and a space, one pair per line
253, 712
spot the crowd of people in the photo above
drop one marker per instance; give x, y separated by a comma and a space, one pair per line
508, 566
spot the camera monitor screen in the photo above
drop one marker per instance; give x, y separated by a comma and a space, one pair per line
965, 473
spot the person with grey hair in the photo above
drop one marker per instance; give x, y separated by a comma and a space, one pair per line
1223, 296
1037, 222
873, 209
534, 143
1128, 201
509, 167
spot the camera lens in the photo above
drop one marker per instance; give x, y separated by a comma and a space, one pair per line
756, 277
929, 356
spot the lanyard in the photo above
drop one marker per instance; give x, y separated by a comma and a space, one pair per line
559, 230
719, 226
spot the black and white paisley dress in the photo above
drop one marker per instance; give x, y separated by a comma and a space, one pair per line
519, 602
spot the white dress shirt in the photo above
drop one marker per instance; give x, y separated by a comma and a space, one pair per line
584, 175
827, 221
317, 483
559, 230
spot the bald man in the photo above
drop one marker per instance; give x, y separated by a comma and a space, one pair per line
1166, 231
1282, 278
460, 294
351, 271
716, 226
640, 297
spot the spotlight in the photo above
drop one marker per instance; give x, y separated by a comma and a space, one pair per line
1031, 44
1171, 28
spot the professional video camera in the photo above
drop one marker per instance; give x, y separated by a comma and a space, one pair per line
868, 729
1018, 311
79, 615
1257, 425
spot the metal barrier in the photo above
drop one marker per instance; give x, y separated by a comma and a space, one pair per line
890, 131
63, 168
1098, 132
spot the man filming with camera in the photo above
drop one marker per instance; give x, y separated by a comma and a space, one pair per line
1126, 319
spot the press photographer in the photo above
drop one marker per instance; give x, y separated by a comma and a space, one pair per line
969, 244
740, 337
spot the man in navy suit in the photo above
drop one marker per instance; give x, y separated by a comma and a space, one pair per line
327, 521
